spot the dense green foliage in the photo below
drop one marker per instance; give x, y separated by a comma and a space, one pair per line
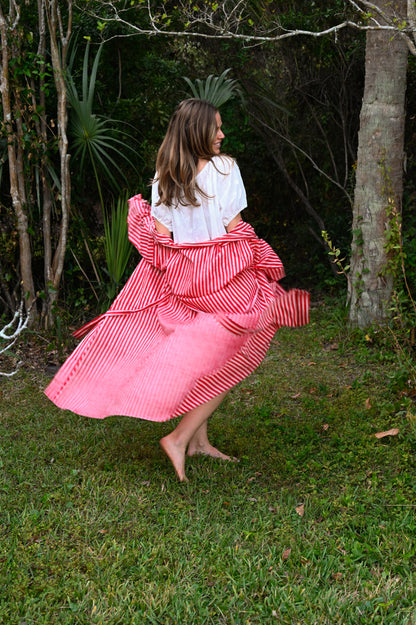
140, 81
315, 524
295, 140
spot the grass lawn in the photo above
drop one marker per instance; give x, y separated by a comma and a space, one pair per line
315, 524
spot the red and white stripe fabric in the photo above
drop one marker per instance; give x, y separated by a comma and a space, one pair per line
192, 321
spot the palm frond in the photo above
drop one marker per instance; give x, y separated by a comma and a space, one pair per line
93, 136
215, 89
117, 246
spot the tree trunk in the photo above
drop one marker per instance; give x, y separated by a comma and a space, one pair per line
16, 169
59, 41
379, 174
45, 190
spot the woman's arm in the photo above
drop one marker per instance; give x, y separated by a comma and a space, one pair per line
233, 222
161, 228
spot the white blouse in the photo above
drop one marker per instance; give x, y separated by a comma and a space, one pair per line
221, 180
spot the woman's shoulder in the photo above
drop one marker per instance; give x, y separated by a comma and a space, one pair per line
223, 163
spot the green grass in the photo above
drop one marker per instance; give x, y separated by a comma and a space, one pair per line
95, 529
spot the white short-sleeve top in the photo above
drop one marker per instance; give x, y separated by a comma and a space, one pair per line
221, 180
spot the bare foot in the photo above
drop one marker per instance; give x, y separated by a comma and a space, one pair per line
209, 450
176, 455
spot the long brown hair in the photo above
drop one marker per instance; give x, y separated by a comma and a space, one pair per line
190, 136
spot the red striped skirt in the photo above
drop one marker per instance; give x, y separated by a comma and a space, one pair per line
192, 321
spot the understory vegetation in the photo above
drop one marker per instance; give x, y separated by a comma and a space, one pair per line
315, 524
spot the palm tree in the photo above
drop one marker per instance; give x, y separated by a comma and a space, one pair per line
215, 89
95, 139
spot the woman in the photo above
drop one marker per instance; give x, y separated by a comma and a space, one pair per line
200, 310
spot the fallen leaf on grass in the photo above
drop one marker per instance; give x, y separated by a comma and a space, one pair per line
392, 432
325, 427
286, 554
295, 396
368, 403
257, 474
300, 509
336, 576
310, 364
330, 347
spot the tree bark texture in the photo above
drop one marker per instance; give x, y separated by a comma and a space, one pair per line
59, 41
15, 159
379, 173
51, 17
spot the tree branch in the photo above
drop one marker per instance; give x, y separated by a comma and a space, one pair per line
228, 25
11, 332
402, 24
307, 156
